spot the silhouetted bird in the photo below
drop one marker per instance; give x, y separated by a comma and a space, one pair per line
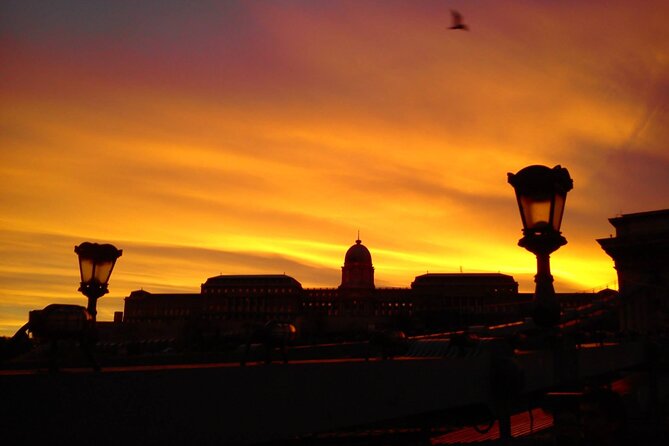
457, 21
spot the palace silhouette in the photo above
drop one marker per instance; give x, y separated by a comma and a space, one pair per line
229, 304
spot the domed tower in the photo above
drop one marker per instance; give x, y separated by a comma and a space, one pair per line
357, 271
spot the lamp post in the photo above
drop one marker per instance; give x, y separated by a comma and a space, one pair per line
96, 263
541, 193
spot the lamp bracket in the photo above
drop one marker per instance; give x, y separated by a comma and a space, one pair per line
543, 243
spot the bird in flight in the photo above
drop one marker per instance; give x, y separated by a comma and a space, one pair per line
457, 21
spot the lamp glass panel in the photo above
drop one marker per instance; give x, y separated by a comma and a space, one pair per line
86, 267
103, 271
559, 209
537, 212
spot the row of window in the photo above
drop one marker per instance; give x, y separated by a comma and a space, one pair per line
362, 312
357, 305
250, 308
157, 316
159, 312
254, 306
321, 294
247, 290
248, 316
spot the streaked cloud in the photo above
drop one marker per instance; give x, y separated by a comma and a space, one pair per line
260, 136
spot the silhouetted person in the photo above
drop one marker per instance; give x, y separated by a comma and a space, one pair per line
462, 343
457, 21
272, 335
387, 343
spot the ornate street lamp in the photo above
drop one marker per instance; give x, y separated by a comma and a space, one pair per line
96, 263
541, 193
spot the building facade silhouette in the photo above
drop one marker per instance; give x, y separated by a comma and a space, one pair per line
640, 251
229, 304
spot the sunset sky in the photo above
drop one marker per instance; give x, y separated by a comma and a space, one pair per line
248, 137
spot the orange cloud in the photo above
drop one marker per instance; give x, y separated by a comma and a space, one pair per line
259, 137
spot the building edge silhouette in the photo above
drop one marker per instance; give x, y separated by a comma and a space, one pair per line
640, 251
231, 305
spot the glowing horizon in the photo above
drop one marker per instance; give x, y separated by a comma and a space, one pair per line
257, 137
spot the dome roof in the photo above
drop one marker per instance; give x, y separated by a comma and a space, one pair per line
358, 253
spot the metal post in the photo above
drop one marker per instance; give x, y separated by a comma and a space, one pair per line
546, 307
92, 306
